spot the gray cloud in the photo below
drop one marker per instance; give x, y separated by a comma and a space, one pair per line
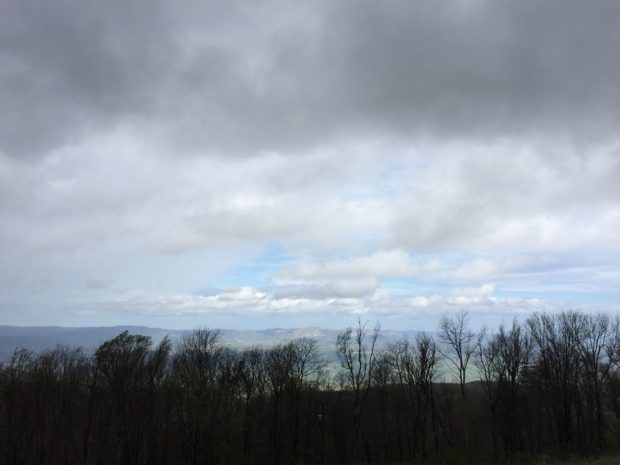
477, 135
510, 197
72, 68
280, 76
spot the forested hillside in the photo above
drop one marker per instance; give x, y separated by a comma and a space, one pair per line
550, 384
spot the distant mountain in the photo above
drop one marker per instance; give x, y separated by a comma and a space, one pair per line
39, 338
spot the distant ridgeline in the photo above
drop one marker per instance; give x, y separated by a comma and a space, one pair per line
40, 338
549, 385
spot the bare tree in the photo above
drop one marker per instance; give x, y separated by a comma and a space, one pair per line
381, 379
459, 344
594, 342
357, 359
556, 371
424, 372
515, 348
279, 363
195, 367
251, 389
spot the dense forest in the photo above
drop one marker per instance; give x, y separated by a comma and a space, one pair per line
547, 385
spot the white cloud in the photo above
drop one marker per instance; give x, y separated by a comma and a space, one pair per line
394, 311
378, 265
510, 197
169, 156
484, 291
359, 276
473, 299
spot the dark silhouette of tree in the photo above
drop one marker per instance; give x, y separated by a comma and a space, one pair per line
414, 369
514, 356
459, 343
357, 360
197, 368
252, 391
17, 408
122, 363
492, 372
550, 385
557, 369
290, 368
594, 339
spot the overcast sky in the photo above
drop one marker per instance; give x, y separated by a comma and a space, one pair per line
253, 164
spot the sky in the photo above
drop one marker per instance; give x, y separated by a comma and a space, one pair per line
259, 164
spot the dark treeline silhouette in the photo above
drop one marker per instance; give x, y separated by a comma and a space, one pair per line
548, 385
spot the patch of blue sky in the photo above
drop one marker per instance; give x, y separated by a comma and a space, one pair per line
255, 272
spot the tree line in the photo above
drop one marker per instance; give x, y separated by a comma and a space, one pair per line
550, 384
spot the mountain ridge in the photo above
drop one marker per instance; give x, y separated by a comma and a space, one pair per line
40, 338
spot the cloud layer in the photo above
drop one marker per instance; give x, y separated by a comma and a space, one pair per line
287, 76
305, 158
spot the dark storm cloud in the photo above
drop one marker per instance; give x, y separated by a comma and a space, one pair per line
489, 68
69, 67
282, 76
